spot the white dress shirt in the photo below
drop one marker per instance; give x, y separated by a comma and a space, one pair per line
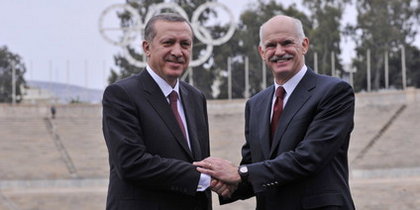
289, 87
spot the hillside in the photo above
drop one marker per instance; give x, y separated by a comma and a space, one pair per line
66, 93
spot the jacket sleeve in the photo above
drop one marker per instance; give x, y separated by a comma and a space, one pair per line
128, 154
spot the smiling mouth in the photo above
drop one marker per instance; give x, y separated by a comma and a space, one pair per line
281, 59
177, 60
174, 62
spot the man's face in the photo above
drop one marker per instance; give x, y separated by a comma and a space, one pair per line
169, 51
282, 49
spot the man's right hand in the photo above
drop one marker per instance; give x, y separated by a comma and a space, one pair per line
223, 189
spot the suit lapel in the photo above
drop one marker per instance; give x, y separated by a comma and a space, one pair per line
298, 98
188, 103
159, 103
263, 121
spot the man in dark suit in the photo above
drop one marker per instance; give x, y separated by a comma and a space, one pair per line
297, 132
155, 126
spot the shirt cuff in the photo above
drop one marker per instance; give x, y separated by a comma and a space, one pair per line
204, 182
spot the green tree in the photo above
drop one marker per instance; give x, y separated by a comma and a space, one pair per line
412, 66
245, 43
8, 61
383, 26
413, 74
326, 35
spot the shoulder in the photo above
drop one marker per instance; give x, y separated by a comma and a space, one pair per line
124, 87
329, 82
128, 83
322, 82
329, 89
190, 89
266, 93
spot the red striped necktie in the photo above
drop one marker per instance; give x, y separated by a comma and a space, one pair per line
277, 110
173, 98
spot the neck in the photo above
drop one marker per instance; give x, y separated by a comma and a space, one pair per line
171, 82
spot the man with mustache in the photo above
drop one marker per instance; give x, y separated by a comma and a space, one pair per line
297, 132
155, 126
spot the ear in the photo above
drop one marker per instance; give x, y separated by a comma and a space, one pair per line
261, 51
305, 45
146, 48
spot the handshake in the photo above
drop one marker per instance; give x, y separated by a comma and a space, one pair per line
225, 176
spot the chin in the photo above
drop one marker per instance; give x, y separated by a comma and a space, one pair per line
281, 70
175, 73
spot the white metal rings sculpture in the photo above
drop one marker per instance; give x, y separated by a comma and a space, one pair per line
200, 32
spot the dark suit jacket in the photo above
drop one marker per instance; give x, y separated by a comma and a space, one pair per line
150, 162
307, 166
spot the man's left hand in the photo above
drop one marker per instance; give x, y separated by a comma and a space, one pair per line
220, 169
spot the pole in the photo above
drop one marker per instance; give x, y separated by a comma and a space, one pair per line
67, 72
103, 72
51, 72
386, 70
332, 64
12, 62
50, 65
86, 73
190, 73
316, 62
57, 74
229, 61
67, 77
368, 70
190, 76
403, 68
246, 77
31, 67
264, 75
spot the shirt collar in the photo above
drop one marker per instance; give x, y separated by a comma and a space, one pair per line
291, 84
163, 85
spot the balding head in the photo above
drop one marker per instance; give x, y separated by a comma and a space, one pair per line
282, 22
283, 46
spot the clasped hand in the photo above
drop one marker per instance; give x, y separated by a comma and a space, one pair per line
225, 177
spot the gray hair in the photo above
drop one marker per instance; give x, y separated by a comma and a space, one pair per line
150, 32
298, 27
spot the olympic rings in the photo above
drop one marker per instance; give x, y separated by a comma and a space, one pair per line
202, 33
207, 53
195, 24
156, 8
131, 59
127, 31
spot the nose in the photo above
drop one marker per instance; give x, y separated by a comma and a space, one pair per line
279, 50
176, 50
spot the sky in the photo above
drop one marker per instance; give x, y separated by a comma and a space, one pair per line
59, 40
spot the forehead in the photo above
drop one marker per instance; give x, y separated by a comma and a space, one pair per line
170, 29
277, 29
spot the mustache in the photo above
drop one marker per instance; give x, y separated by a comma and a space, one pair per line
175, 59
276, 58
